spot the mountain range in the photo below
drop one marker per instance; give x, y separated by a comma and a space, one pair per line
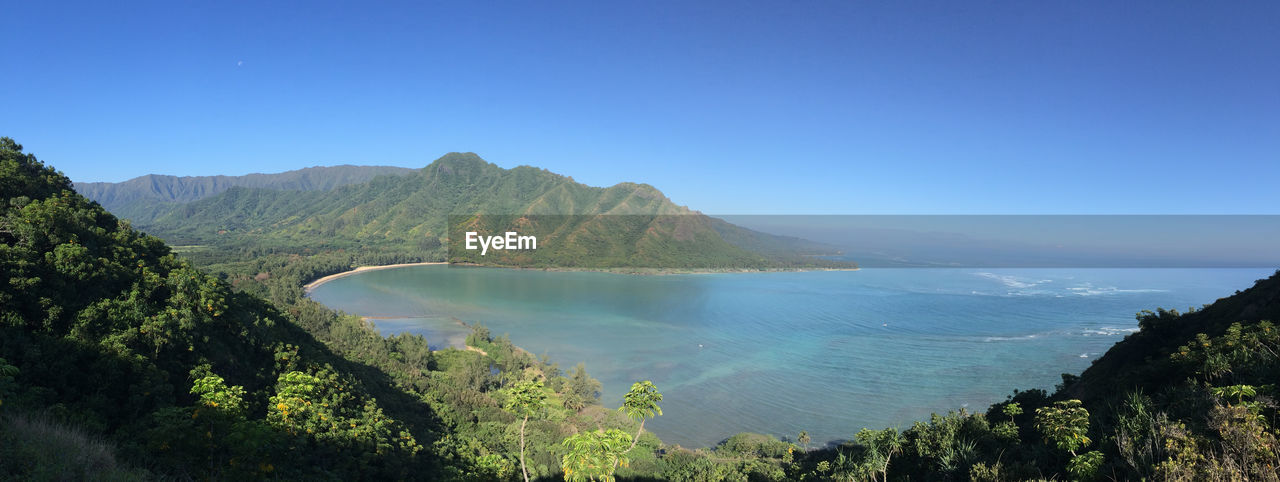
136, 198
625, 225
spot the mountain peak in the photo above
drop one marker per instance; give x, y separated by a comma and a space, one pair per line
460, 159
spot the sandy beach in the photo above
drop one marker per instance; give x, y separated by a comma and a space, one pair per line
310, 286
641, 271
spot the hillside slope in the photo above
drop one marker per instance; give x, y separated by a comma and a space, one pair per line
1148, 360
108, 330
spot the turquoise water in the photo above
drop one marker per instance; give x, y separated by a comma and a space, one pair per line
777, 353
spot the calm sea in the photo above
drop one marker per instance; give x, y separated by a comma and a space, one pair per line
777, 353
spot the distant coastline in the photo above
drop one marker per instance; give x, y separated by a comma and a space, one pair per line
312, 285
632, 271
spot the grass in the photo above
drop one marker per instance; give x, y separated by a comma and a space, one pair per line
34, 447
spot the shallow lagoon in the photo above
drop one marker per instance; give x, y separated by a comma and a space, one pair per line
777, 353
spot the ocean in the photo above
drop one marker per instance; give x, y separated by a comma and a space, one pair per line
828, 352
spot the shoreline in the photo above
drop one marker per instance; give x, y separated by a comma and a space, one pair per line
632, 271
360, 269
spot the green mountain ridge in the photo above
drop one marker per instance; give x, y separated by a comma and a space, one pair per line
410, 214
143, 197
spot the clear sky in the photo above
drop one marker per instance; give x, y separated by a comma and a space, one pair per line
728, 107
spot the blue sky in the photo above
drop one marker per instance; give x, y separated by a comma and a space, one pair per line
728, 107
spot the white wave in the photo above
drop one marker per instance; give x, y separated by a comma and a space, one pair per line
1110, 290
1110, 331
1013, 281
1011, 338
1088, 289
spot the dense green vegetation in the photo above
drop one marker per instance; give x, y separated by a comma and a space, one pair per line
144, 366
109, 331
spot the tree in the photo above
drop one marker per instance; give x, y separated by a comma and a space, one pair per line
593, 456
1066, 425
804, 439
639, 404
1012, 409
881, 446
479, 336
1008, 429
214, 392
582, 386
527, 398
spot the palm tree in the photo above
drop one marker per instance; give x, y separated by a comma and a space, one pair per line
804, 439
527, 398
641, 403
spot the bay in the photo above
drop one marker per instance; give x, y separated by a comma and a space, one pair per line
777, 353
